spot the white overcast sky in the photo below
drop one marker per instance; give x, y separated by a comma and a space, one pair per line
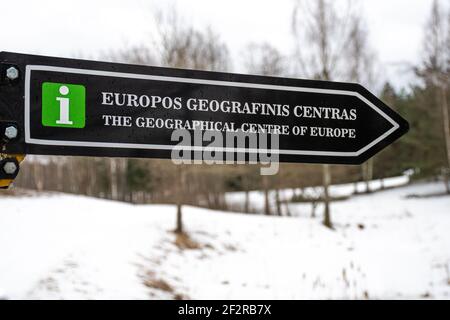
86, 27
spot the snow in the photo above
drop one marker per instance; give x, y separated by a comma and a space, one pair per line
384, 246
256, 198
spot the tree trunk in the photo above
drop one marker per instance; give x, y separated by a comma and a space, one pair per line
355, 187
368, 173
447, 186
59, 175
121, 179
179, 199
286, 205
92, 178
278, 202
247, 202
313, 209
179, 223
326, 197
113, 178
445, 120
38, 175
245, 183
364, 174
266, 195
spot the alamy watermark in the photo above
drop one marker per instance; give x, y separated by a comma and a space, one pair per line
226, 148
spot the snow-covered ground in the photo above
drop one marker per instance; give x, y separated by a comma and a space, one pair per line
384, 246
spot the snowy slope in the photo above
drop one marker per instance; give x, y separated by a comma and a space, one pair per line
384, 246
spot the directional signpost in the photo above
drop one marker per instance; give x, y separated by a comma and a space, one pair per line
75, 107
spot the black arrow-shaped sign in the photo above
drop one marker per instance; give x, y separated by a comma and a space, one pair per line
78, 107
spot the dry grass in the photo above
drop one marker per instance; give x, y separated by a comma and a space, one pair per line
183, 242
158, 284
151, 281
179, 296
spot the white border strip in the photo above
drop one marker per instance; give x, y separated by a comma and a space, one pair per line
28, 139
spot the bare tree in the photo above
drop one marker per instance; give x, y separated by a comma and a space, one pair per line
266, 60
361, 61
139, 54
321, 35
327, 34
182, 46
263, 59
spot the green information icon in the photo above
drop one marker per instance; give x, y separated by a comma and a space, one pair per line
63, 105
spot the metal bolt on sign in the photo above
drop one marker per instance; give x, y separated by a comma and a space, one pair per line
10, 167
12, 73
11, 132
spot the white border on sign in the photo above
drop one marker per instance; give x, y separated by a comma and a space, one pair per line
28, 139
